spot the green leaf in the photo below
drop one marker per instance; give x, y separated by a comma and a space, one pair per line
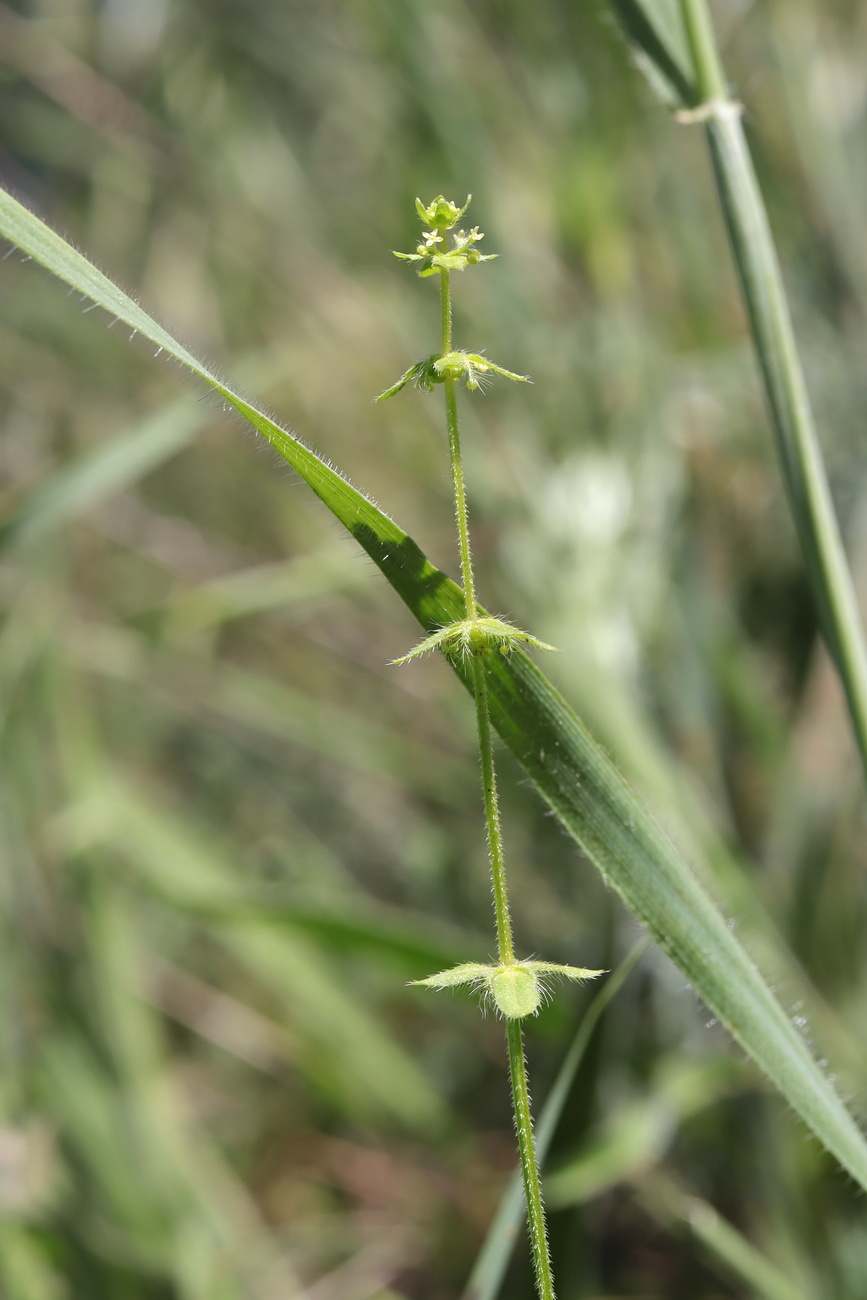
656, 34
469, 972
414, 370
572, 773
672, 1205
355, 1056
116, 464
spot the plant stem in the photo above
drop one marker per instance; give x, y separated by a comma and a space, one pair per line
455, 454
505, 942
709, 75
527, 1148
505, 945
797, 443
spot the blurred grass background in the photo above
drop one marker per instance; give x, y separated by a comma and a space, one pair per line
231, 834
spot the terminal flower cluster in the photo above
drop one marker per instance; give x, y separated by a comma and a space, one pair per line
442, 215
435, 258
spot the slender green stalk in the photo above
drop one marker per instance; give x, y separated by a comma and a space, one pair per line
529, 1166
445, 303
505, 945
505, 942
709, 75
490, 1267
764, 295
455, 455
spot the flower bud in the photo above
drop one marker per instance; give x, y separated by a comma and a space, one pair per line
516, 991
442, 212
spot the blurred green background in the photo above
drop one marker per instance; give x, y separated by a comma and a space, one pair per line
230, 833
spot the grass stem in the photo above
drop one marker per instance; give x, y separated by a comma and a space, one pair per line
709, 75
770, 320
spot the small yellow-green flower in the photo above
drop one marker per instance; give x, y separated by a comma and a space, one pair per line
442, 215
474, 368
442, 212
475, 636
516, 988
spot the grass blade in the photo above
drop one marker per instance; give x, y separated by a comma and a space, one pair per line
104, 471
573, 774
797, 444
115, 465
658, 40
667, 1201
705, 93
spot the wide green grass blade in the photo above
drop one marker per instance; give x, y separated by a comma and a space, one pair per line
578, 780
704, 91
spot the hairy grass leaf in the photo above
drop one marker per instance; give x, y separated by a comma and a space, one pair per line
573, 774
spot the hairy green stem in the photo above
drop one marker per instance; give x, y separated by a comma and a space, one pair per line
455, 454
529, 1166
505, 945
505, 942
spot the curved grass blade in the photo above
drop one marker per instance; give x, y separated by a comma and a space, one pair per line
103, 471
572, 773
672, 1205
115, 465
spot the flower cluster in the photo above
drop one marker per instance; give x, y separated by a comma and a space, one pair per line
472, 367
475, 636
516, 988
442, 212
443, 215
435, 257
